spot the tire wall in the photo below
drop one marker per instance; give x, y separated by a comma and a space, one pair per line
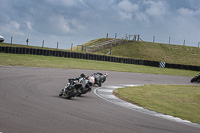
88, 56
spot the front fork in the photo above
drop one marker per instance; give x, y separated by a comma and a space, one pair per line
64, 89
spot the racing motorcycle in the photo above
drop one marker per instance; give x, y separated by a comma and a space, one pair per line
87, 84
99, 78
71, 89
196, 78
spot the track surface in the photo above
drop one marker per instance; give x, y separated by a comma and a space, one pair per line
29, 103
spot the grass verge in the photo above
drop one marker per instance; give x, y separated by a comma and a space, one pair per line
181, 101
71, 63
175, 54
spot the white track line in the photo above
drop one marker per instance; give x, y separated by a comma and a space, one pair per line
106, 93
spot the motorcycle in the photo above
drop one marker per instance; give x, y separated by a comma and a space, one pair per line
87, 84
71, 89
82, 85
196, 78
99, 78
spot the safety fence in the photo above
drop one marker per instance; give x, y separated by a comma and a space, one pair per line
89, 56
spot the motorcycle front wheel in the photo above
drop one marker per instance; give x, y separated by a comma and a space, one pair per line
193, 80
68, 94
99, 83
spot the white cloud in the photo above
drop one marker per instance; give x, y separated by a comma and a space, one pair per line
14, 25
29, 25
142, 10
126, 9
81, 1
61, 25
155, 9
187, 22
125, 15
142, 17
11, 28
188, 12
188, 18
127, 6
77, 25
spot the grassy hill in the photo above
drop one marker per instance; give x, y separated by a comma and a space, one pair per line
158, 52
176, 54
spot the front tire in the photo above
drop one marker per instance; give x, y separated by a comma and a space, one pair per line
68, 94
61, 93
193, 80
99, 84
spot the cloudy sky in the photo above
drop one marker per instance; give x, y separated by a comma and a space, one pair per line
79, 21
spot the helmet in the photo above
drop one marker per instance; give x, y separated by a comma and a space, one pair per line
82, 75
106, 75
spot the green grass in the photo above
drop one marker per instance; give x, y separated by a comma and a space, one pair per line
177, 100
175, 54
71, 63
25, 46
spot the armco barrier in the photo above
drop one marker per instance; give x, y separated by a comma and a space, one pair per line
33, 51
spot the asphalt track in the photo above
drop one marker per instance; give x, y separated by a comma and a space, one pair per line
29, 103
